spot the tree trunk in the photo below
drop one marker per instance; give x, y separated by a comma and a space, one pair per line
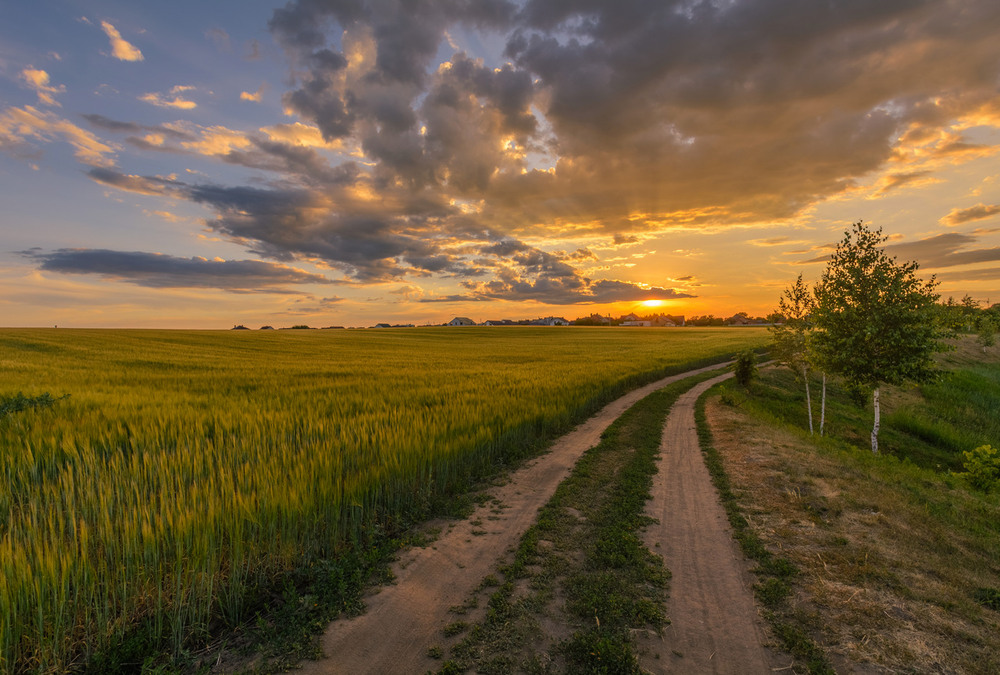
875, 428
822, 407
809, 405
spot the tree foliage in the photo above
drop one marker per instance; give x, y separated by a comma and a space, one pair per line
745, 367
791, 339
876, 316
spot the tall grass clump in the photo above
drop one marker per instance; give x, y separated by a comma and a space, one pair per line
188, 470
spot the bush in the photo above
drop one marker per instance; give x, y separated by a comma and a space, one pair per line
746, 367
20, 402
982, 467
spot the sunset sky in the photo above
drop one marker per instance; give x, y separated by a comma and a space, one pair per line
346, 162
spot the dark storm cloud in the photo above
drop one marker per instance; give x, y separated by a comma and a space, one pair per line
556, 292
523, 272
156, 270
612, 120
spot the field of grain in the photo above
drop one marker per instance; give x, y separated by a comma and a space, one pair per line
184, 467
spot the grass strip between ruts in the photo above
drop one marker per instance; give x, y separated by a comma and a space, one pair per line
582, 566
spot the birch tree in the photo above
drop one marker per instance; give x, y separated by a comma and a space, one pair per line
876, 318
791, 339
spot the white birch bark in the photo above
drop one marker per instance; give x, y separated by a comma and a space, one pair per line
809, 406
875, 428
822, 407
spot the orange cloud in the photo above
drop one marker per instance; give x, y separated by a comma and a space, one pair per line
17, 124
300, 134
164, 101
39, 81
254, 97
218, 140
120, 48
957, 217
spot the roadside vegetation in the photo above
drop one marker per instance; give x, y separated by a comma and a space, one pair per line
871, 562
203, 484
572, 595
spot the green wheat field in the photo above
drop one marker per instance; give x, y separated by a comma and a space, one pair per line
174, 470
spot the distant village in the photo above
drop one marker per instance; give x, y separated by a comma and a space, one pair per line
648, 321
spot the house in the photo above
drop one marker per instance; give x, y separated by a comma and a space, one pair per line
593, 320
629, 317
739, 319
668, 320
636, 322
498, 322
381, 325
549, 321
461, 321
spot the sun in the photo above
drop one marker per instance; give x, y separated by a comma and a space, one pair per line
652, 303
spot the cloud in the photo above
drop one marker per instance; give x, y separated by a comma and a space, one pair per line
944, 250
254, 97
957, 217
138, 184
298, 134
982, 274
523, 272
600, 126
895, 181
776, 241
172, 100
39, 81
17, 125
156, 270
120, 48
220, 38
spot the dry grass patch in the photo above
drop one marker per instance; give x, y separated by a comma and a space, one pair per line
891, 555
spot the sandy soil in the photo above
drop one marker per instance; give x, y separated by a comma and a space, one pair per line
715, 626
404, 619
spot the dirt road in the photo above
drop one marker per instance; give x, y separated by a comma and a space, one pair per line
714, 625
404, 619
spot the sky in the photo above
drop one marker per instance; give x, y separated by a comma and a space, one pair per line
348, 162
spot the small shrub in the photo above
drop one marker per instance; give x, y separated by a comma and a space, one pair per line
988, 597
745, 368
730, 397
20, 402
982, 467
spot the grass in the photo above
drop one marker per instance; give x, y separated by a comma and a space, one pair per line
193, 479
897, 559
581, 581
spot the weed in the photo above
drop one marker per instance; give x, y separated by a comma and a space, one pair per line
988, 597
19, 402
454, 628
982, 467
